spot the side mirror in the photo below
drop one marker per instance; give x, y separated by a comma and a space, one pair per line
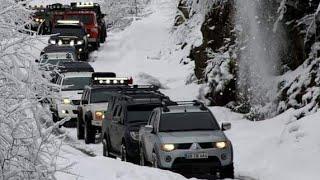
148, 128
84, 102
37, 61
225, 126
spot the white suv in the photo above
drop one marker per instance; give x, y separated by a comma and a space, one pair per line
71, 88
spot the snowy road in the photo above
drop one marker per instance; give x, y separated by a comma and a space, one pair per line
270, 150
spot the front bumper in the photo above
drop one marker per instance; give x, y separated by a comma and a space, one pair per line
67, 110
96, 123
179, 161
92, 40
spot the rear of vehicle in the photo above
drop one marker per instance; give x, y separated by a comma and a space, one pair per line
71, 33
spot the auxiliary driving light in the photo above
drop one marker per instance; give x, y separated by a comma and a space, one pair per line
66, 101
72, 43
52, 42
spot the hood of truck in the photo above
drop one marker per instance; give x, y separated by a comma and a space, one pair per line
72, 95
192, 136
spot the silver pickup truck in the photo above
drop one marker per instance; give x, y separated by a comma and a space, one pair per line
186, 138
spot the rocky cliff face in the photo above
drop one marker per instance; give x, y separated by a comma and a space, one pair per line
217, 56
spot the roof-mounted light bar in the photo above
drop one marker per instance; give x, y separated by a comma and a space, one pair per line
112, 81
85, 4
68, 21
36, 7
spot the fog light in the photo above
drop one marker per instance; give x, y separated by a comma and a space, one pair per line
224, 156
65, 112
168, 159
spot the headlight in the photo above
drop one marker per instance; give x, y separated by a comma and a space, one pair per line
52, 41
220, 145
99, 115
66, 101
80, 42
134, 135
88, 35
41, 20
72, 43
37, 20
168, 147
59, 42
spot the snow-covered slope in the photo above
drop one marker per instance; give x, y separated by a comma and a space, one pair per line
282, 148
146, 51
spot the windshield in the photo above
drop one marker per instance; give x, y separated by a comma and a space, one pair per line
50, 61
75, 83
99, 96
66, 30
191, 121
84, 18
140, 113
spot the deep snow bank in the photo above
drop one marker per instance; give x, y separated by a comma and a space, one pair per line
276, 149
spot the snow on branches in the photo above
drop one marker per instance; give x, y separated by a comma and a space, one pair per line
28, 149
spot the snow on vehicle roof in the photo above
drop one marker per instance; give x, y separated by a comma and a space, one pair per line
184, 109
76, 74
76, 67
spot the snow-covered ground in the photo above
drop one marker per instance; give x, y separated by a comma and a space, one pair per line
281, 148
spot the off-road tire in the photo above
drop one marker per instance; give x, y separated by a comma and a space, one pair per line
106, 148
89, 134
227, 172
143, 161
80, 129
155, 163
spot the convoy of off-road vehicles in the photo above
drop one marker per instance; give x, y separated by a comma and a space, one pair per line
136, 123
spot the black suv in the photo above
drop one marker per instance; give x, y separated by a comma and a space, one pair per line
126, 113
71, 33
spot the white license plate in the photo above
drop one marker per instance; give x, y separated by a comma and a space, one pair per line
197, 156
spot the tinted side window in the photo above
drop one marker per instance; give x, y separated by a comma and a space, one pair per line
151, 117
114, 114
84, 94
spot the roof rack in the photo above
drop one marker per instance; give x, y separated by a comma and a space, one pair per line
85, 6
75, 67
182, 103
58, 6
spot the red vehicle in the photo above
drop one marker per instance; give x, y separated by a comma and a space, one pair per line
88, 18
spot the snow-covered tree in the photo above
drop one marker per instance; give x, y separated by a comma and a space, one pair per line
28, 148
121, 12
